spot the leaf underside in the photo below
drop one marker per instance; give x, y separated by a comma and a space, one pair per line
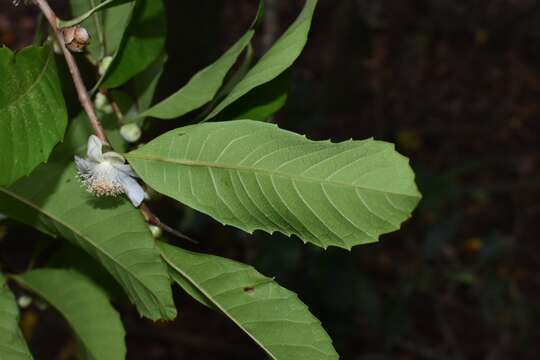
271, 315
254, 175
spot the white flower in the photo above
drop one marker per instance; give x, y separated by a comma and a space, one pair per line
107, 174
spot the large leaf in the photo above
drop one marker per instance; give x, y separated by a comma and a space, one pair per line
271, 315
278, 59
254, 175
109, 229
106, 27
12, 343
144, 43
33, 114
85, 307
202, 87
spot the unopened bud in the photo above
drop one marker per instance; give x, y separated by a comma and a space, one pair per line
102, 104
156, 231
76, 38
24, 301
130, 132
104, 65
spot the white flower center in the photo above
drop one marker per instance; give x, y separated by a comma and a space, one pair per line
102, 180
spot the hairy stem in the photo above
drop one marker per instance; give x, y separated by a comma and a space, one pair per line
73, 70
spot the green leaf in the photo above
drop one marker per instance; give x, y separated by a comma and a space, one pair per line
109, 229
79, 19
202, 87
254, 175
144, 42
278, 59
271, 315
33, 116
106, 27
85, 307
144, 85
261, 103
259, 17
12, 343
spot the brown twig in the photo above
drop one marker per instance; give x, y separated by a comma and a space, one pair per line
73, 69
152, 219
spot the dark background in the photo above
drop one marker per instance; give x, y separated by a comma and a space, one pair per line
456, 85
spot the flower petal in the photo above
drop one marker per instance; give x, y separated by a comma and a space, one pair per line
126, 169
114, 157
84, 165
133, 190
93, 150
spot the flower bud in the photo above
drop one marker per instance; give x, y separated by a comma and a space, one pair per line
76, 38
104, 65
156, 231
102, 104
24, 301
130, 132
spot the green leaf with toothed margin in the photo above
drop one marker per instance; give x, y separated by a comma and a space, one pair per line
271, 315
85, 307
33, 115
109, 229
12, 343
253, 175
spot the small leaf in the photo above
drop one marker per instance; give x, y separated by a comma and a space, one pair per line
109, 229
85, 307
271, 315
33, 115
202, 87
12, 343
253, 175
278, 59
144, 42
79, 19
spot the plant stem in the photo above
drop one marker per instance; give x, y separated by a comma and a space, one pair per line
74, 70
89, 107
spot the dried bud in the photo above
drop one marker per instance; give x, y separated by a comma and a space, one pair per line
76, 38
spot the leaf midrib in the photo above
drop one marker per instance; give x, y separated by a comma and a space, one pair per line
198, 163
97, 247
